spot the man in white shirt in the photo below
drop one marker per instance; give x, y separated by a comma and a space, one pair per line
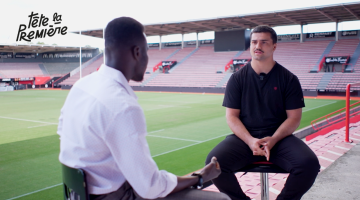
102, 128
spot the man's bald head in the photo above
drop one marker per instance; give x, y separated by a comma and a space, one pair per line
126, 47
123, 33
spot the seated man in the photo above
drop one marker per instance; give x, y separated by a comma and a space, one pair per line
102, 128
264, 103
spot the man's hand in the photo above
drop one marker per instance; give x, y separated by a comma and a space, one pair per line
267, 143
257, 147
211, 170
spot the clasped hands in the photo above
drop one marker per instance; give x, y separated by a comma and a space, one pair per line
262, 147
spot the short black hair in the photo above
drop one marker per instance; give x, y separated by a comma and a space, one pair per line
265, 29
123, 32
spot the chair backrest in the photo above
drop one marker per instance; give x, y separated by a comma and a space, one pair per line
75, 186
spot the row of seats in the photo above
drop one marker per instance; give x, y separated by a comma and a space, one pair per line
340, 80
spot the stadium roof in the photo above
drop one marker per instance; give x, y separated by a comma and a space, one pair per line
38, 48
322, 14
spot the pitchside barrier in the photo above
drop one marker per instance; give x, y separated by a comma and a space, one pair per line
339, 115
347, 121
6, 88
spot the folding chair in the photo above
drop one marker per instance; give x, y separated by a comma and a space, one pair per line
75, 187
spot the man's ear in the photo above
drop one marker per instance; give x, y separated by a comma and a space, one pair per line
136, 52
275, 45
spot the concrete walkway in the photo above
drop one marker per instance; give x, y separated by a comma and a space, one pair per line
340, 181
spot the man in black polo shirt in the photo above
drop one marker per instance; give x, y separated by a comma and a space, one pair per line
264, 103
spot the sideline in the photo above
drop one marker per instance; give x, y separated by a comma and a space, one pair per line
318, 106
26, 120
35, 191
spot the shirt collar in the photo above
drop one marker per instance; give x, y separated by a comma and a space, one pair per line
117, 76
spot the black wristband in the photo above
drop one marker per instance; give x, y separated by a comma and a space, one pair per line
199, 184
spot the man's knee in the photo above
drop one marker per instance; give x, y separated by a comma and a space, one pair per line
309, 165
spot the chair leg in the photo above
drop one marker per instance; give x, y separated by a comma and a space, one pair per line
264, 186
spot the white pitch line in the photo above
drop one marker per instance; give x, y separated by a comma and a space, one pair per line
335, 153
339, 147
26, 120
166, 106
273, 190
34, 191
156, 131
321, 167
328, 159
319, 106
152, 156
356, 134
42, 125
189, 145
174, 138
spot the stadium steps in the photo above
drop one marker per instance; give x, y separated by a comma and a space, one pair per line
326, 52
353, 60
171, 55
238, 54
224, 80
149, 79
43, 69
87, 63
325, 80
186, 57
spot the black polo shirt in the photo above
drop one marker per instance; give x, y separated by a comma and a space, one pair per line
263, 103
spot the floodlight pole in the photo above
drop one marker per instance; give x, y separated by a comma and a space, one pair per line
337, 30
197, 39
301, 33
182, 40
80, 57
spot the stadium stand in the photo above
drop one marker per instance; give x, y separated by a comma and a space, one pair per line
92, 66
344, 47
19, 70
299, 57
199, 70
155, 56
60, 69
340, 80
309, 81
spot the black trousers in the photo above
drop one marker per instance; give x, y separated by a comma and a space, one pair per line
291, 154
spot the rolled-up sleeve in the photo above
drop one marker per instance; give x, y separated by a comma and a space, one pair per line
126, 140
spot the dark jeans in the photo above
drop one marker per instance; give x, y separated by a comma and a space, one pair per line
291, 154
126, 192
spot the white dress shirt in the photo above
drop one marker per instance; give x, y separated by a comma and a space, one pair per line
102, 131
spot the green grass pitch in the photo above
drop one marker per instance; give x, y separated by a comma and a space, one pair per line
182, 128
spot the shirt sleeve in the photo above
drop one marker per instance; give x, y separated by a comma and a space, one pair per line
294, 97
232, 98
125, 137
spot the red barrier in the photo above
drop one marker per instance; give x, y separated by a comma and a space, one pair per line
332, 115
157, 66
42, 80
347, 135
227, 66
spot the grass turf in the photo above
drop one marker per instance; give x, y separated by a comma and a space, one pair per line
182, 128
